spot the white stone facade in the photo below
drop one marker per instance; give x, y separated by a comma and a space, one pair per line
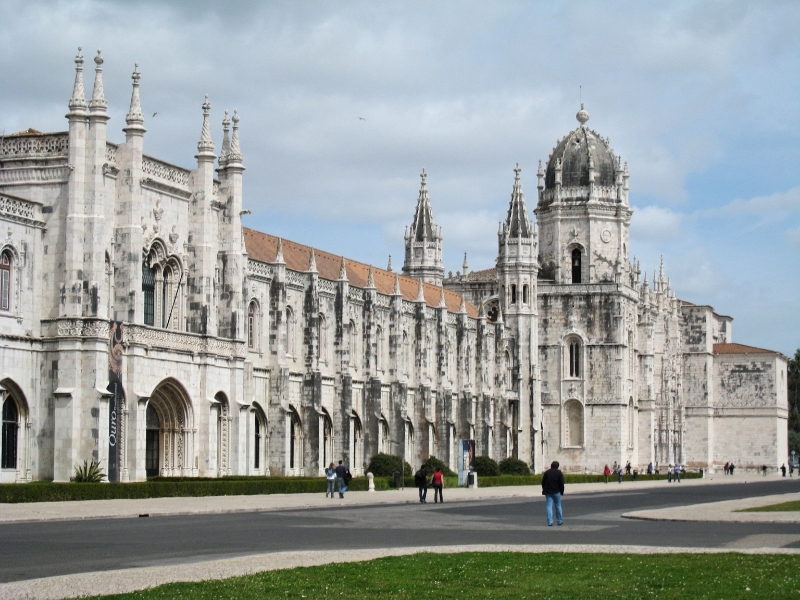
246, 354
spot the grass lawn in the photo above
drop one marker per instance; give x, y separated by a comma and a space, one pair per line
514, 575
783, 506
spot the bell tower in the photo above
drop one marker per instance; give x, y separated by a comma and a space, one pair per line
424, 242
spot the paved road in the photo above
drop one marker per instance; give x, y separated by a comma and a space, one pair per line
31, 550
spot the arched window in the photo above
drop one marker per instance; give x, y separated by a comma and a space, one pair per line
468, 364
631, 355
576, 265
525, 299
322, 338
259, 432
149, 292
357, 451
573, 423
289, 331
513, 293
10, 431
574, 358
252, 326
431, 439
5, 280
383, 437
152, 442
169, 296
295, 443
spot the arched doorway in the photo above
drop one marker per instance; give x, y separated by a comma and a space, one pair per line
259, 441
14, 435
357, 451
174, 444
220, 436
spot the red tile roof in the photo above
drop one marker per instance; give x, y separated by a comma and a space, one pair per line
263, 248
740, 349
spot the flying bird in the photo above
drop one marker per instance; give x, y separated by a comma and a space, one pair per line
154, 114
362, 118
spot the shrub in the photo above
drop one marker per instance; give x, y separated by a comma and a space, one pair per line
434, 463
486, 467
88, 473
385, 465
513, 466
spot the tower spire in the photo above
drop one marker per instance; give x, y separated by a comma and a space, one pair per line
235, 155
78, 100
206, 144
343, 270
517, 223
423, 241
279, 253
442, 303
420, 292
226, 140
98, 102
370, 279
396, 291
135, 118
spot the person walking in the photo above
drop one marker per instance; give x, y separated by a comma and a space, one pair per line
619, 473
438, 483
650, 468
552, 490
628, 468
726, 468
791, 468
669, 473
421, 481
330, 476
606, 472
783, 470
343, 478
730, 469
677, 473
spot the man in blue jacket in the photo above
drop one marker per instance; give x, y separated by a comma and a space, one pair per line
552, 490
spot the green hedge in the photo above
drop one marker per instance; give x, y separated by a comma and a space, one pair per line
177, 487
165, 487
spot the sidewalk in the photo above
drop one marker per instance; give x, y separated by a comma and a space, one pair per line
115, 509
725, 511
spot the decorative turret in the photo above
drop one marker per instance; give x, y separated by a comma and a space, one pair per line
517, 265
312, 263
235, 155
343, 271
226, 142
465, 266
98, 103
370, 280
205, 147
423, 242
135, 119
396, 291
279, 253
78, 101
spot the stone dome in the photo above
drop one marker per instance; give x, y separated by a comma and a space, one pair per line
574, 151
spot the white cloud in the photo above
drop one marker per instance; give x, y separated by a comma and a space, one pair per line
655, 224
779, 202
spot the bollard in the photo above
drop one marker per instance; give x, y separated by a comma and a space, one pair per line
371, 478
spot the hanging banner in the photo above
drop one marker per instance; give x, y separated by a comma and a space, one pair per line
115, 352
466, 460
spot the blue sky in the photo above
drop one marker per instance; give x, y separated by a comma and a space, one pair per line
701, 100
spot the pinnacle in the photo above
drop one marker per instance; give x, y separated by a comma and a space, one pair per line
135, 118
226, 140
517, 223
235, 155
98, 102
206, 144
78, 100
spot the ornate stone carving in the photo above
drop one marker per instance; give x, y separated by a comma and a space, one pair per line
88, 327
40, 146
181, 341
327, 287
165, 171
259, 270
296, 280
38, 174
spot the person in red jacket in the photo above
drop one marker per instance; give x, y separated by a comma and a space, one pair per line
606, 472
552, 490
438, 483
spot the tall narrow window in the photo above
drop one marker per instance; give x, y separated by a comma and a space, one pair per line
574, 359
379, 348
149, 291
257, 442
576, 265
251, 327
513, 293
289, 332
10, 428
525, 294
5, 281
152, 441
573, 423
322, 338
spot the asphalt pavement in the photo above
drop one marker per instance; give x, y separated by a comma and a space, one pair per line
44, 549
